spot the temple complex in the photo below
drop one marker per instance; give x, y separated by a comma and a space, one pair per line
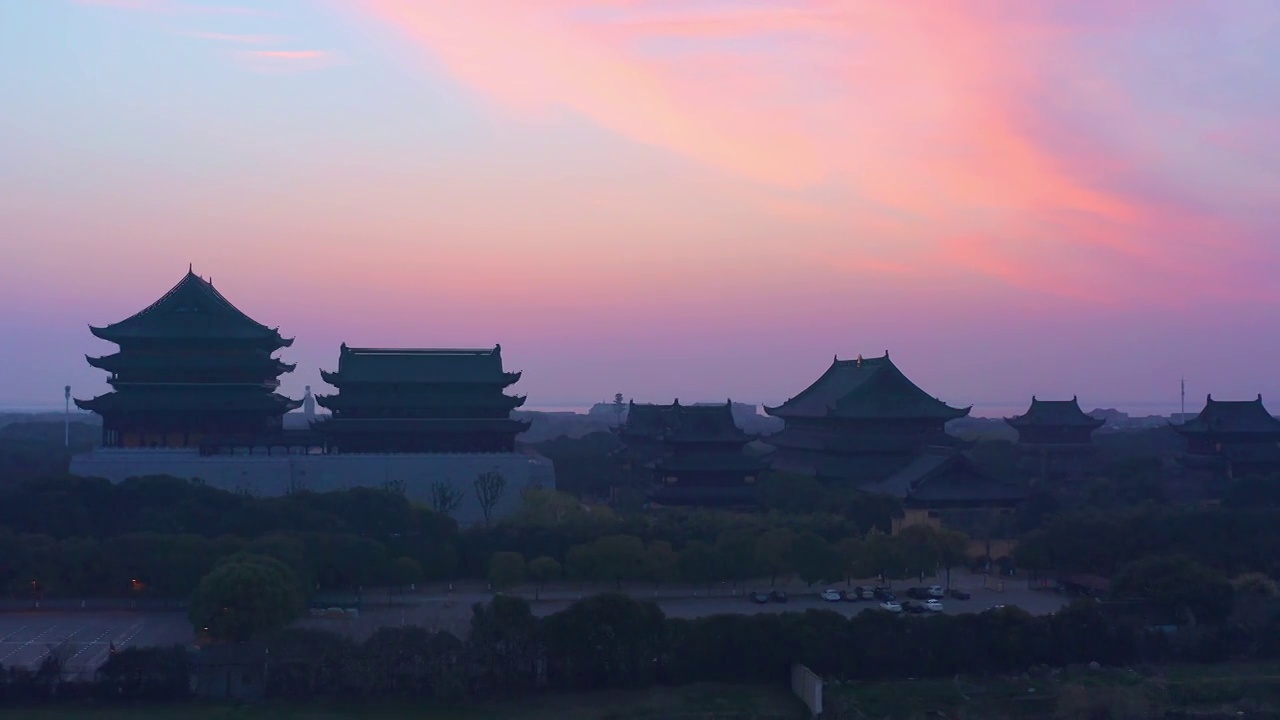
420, 401
1057, 436
860, 422
1232, 439
690, 455
192, 371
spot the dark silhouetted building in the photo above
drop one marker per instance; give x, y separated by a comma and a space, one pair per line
420, 401
1232, 439
1058, 436
690, 455
191, 370
861, 421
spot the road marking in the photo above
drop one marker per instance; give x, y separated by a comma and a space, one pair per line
28, 643
15, 632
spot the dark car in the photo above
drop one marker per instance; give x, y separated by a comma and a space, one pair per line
759, 598
914, 608
959, 594
778, 596
882, 591
918, 593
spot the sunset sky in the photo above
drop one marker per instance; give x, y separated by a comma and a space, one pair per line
665, 198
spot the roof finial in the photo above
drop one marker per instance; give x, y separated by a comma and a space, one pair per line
497, 347
886, 354
1033, 398
1075, 399
859, 359
191, 268
677, 402
1208, 398
1259, 397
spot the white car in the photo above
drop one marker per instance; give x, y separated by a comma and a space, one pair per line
831, 595
891, 606
933, 605
936, 591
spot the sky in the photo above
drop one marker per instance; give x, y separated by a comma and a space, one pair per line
698, 199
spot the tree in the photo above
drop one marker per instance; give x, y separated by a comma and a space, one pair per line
883, 555
773, 553
245, 597
618, 558
660, 561
849, 553
506, 570
1255, 585
735, 552
405, 571
1176, 585
543, 570
697, 562
813, 559
445, 498
490, 487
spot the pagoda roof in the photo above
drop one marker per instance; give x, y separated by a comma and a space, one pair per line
193, 399
420, 365
420, 425
1055, 413
192, 309
684, 423
946, 477
146, 361
711, 462
1230, 417
865, 388
400, 401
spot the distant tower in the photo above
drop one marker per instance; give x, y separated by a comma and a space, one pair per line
309, 406
66, 416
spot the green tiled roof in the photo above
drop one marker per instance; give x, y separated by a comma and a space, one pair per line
865, 388
192, 309
412, 366
1056, 413
1248, 417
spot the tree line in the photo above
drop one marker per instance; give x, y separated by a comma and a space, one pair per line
614, 641
157, 537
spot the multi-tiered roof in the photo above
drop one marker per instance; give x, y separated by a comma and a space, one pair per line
1055, 422
861, 420
191, 368
1238, 436
696, 453
404, 400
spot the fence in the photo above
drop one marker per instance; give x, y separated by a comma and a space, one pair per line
808, 687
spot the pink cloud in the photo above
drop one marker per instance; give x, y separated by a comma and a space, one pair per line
928, 109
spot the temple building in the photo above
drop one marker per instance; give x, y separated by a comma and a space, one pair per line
944, 488
1057, 436
192, 371
1232, 439
690, 455
860, 422
420, 401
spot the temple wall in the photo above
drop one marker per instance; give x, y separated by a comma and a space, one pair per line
273, 475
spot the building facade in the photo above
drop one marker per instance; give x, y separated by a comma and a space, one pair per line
1056, 436
402, 400
860, 422
191, 371
1232, 439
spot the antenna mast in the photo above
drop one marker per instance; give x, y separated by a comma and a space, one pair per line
1182, 414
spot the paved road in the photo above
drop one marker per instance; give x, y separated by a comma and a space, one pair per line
84, 640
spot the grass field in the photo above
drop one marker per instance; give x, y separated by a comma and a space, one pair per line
693, 702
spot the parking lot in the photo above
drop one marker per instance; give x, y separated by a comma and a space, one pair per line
84, 640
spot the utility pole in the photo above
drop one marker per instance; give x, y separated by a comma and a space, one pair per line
1182, 414
66, 417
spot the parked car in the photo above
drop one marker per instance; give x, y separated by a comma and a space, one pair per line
867, 593
853, 595
936, 591
778, 596
917, 593
914, 608
830, 595
959, 594
933, 605
882, 590
891, 606
759, 598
